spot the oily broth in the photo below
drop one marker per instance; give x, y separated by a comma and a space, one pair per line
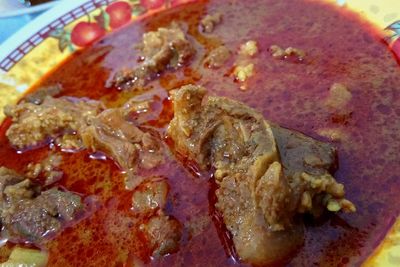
340, 47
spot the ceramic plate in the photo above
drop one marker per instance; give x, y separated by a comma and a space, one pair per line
51, 38
11, 8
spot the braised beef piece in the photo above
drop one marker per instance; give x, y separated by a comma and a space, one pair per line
162, 231
112, 133
217, 57
8, 177
29, 214
300, 153
308, 164
166, 48
46, 169
75, 123
164, 234
33, 124
262, 184
150, 195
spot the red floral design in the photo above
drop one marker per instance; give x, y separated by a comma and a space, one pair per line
113, 16
120, 13
152, 4
85, 33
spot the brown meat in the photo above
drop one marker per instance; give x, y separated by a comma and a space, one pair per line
300, 153
34, 219
253, 194
308, 164
209, 22
47, 169
8, 177
162, 231
35, 124
217, 57
130, 147
150, 195
166, 48
164, 234
29, 215
257, 196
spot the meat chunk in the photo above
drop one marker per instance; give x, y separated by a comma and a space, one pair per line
83, 123
150, 196
112, 134
164, 234
300, 153
217, 57
261, 187
308, 164
34, 219
132, 148
253, 194
35, 124
8, 177
166, 48
209, 22
29, 214
47, 169
172, 39
162, 231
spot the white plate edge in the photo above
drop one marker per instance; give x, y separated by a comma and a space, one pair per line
28, 10
35, 25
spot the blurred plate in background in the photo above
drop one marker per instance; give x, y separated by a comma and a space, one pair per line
10, 8
14, 15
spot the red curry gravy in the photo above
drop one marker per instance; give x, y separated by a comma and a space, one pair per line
340, 47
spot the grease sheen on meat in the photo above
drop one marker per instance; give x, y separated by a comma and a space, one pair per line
34, 124
112, 133
29, 214
257, 200
162, 49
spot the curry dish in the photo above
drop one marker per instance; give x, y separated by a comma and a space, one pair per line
218, 133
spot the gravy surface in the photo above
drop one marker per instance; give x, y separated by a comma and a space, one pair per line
340, 47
